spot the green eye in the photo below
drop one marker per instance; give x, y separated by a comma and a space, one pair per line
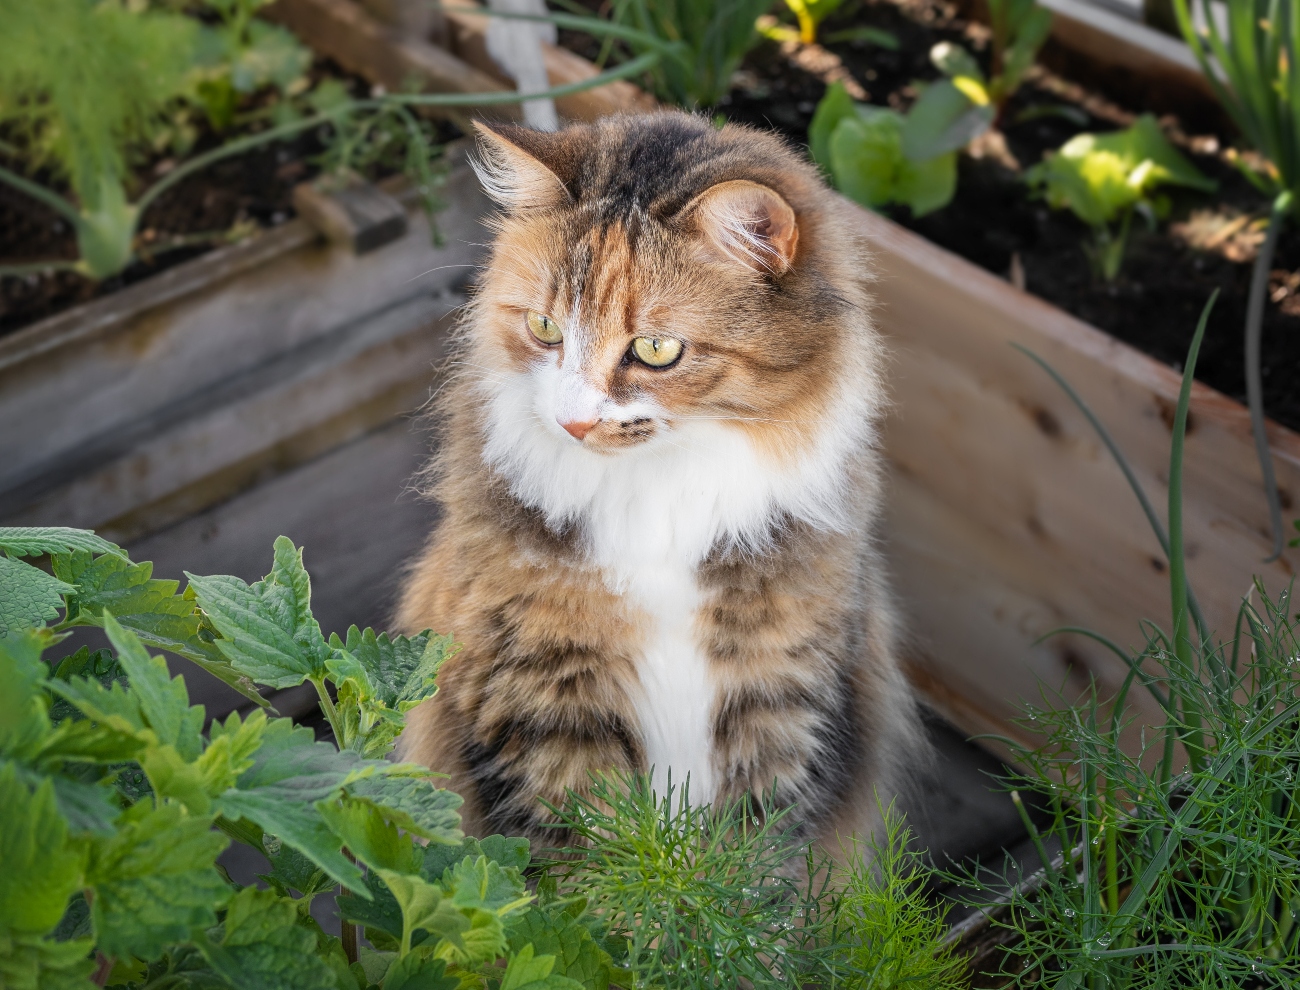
657, 352
544, 328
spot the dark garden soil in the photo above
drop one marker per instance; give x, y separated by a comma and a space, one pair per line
1206, 243
235, 197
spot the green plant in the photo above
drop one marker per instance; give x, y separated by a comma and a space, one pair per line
85, 86
810, 14
1254, 72
1103, 179
729, 896
876, 155
700, 43
1019, 29
116, 804
1154, 875
894, 937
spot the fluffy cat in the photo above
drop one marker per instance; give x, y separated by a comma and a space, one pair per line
660, 482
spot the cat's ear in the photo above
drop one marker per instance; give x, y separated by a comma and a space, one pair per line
748, 223
512, 166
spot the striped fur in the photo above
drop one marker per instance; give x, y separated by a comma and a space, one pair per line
695, 585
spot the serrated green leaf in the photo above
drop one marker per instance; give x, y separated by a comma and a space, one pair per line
164, 700
369, 836
414, 804
28, 596
419, 970
33, 541
527, 971
87, 806
477, 882
154, 881
98, 664
42, 866
511, 852
423, 905
263, 947
291, 870
271, 56
559, 933
290, 773
267, 630
24, 725
147, 606
34, 962
400, 671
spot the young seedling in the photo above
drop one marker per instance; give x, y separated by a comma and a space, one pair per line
1253, 70
1019, 29
876, 155
1104, 179
701, 42
86, 86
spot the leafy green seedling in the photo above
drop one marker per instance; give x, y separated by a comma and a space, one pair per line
876, 155
85, 86
1019, 29
1105, 178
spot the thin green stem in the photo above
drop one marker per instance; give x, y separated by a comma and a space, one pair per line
38, 192
634, 67
1254, 382
331, 713
37, 267
1182, 643
1034, 836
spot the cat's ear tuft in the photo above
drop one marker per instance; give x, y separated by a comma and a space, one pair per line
511, 166
748, 223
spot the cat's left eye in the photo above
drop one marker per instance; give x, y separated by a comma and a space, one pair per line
544, 328
657, 352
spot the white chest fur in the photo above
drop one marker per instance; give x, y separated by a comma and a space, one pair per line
650, 515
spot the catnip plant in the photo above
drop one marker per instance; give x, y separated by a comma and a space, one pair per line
1253, 69
1176, 864
1105, 179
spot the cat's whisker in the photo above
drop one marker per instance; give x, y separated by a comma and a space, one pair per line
438, 269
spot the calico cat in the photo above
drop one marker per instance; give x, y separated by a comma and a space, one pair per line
661, 484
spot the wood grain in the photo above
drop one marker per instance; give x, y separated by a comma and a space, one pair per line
1008, 518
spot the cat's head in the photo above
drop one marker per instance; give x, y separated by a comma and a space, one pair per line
653, 272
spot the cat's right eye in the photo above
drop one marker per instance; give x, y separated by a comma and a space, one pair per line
544, 328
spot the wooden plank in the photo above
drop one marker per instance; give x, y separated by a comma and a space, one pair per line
349, 34
313, 399
75, 395
1008, 518
468, 40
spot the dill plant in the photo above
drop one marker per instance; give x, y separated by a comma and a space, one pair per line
729, 895
1178, 864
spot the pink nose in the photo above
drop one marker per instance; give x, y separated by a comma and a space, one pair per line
578, 430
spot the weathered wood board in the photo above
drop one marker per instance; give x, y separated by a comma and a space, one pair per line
130, 419
1008, 517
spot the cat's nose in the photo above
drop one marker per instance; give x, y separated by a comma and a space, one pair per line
578, 428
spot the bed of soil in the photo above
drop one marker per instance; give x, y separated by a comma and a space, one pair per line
995, 222
236, 197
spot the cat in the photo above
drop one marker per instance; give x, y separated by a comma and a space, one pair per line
661, 484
